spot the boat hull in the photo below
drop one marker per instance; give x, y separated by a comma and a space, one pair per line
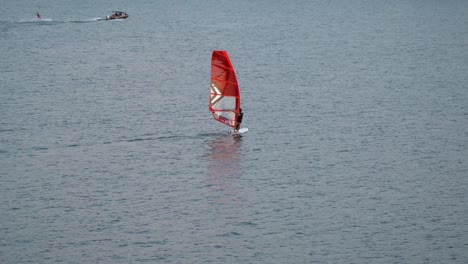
116, 16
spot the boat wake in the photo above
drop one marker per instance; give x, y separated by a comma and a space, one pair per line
40, 20
43, 20
91, 20
49, 21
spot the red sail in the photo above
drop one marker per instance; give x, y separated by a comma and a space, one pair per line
224, 101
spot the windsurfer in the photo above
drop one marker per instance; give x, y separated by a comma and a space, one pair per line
239, 120
38, 15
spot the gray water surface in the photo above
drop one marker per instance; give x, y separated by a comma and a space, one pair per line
356, 150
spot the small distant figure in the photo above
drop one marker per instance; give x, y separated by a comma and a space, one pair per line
239, 120
38, 15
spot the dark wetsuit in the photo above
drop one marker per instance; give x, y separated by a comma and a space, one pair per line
239, 120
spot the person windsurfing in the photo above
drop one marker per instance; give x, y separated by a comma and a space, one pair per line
38, 15
239, 120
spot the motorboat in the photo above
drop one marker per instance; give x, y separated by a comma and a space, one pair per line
117, 15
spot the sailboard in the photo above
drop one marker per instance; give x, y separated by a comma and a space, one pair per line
241, 131
224, 101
